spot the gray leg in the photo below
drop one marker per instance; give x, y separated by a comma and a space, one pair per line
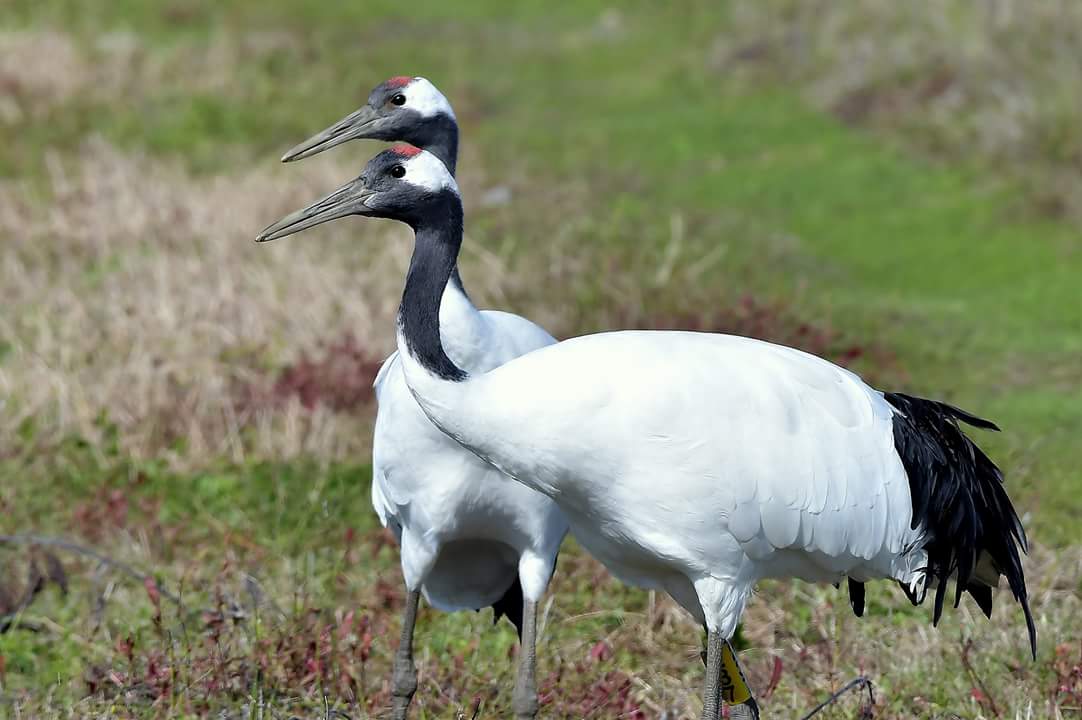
711, 684
524, 700
404, 679
717, 683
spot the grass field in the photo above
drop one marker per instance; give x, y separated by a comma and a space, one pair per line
897, 190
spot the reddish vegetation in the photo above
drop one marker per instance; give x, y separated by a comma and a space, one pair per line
601, 651
310, 651
341, 378
233, 647
314, 651
1067, 666
775, 323
867, 102
107, 510
607, 697
338, 376
340, 653
111, 508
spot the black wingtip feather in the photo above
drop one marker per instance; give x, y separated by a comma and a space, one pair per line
913, 597
982, 595
510, 605
960, 414
856, 597
959, 500
1031, 627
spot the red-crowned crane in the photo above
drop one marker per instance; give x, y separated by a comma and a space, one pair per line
469, 537
402, 109
698, 463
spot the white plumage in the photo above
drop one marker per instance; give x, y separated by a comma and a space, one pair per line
696, 463
700, 463
469, 537
466, 532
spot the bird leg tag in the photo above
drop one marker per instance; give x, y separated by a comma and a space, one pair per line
734, 688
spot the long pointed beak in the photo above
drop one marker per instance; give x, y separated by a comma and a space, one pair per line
346, 200
354, 125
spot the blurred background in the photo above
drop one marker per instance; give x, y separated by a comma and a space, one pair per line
895, 186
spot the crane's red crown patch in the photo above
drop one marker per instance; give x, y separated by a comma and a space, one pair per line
404, 150
399, 81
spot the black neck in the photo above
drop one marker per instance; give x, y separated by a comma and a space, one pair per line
434, 254
441, 139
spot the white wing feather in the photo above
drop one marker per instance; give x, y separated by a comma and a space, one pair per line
778, 449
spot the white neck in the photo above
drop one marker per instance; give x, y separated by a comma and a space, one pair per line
476, 415
442, 400
463, 331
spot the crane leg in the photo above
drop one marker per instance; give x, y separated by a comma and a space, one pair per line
524, 699
711, 682
404, 678
716, 685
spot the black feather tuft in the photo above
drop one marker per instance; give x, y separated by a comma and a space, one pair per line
856, 597
511, 606
913, 597
959, 500
982, 595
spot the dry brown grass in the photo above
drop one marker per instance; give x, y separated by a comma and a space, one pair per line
38, 70
42, 70
136, 293
135, 297
999, 81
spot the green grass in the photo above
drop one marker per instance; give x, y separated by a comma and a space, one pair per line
612, 127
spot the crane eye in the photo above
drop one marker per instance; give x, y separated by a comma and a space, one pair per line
398, 99
398, 171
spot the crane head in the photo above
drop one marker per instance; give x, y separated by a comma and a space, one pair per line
402, 183
405, 109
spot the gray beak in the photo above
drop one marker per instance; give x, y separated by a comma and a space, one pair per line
355, 125
347, 200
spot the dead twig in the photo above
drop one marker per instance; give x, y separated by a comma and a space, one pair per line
36, 581
10, 622
35, 584
986, 695
858, 682
63, 544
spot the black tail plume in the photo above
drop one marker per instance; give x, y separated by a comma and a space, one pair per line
511, 606
959, 500
856, 597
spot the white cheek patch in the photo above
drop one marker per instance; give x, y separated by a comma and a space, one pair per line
423, 97
425, 170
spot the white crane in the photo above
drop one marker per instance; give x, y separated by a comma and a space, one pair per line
698, 463
469, 537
